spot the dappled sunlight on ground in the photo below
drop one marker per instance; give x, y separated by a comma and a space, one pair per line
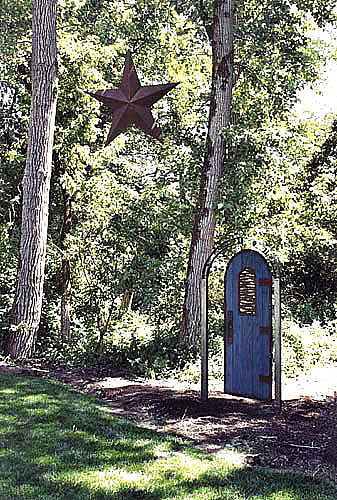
302, 438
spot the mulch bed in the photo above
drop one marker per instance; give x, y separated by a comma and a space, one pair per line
302, 438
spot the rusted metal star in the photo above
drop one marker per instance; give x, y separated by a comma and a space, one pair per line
131, 103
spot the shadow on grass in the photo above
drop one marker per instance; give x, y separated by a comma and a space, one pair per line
58, 444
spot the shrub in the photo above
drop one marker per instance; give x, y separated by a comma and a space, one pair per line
307, 346
131, 342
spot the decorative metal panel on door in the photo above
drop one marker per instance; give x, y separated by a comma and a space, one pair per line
248, 326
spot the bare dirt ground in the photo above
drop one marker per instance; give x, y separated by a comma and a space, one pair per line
302, 438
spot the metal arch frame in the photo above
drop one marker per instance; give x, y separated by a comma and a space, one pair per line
276, 267
204, 310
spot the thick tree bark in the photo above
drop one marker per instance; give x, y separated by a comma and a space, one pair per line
36, 182
213, 166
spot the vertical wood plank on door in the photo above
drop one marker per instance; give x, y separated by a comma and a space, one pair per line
248, 357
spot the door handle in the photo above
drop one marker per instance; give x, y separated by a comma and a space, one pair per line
229, 327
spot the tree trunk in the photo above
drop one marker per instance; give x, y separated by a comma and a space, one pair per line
65, 307
213, 166
126, 301
65, 276
104, 328
65, 283
27, 305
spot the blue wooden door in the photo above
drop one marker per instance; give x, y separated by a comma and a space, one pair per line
248, 326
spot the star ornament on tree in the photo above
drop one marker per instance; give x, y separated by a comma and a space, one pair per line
131, 103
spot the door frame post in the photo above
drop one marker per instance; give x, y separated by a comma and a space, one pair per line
204, 337
278, 345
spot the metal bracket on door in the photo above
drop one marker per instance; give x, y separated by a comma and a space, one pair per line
265, 281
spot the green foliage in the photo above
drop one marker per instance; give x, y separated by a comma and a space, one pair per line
130, 343
8, 267
310, 282
286, 201
132, 203
304, 347
275, 57
311, 266
307, 346
322, 11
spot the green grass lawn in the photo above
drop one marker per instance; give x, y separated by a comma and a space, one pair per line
58, 444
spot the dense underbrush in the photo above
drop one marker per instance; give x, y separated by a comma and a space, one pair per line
133, 344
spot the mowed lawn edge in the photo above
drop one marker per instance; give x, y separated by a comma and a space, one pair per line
56, 443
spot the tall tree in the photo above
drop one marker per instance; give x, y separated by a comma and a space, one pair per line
271, 41
36, 182
221, 38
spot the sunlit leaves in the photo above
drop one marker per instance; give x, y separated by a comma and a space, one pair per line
133, 201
